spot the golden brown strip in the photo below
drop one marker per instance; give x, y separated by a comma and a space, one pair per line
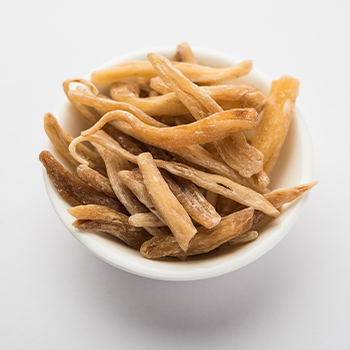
192, 200
145, 219
96, 180
234, 150
196, 73
132, 236
227, 96
204, 241
272, 130
166, 203
61, 140
72, 189
212, 128
134, 181
98, 212
184, 53
158, 85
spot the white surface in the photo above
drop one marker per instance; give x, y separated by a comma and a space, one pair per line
55, 294
294, 166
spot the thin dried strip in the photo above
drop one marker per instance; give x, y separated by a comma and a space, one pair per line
196, 205
283, 196
98, 212
194, 72
234, 150
226, 96
204, 241
184, 53
272, 130
215, 127
221, 185
61, 140
72, 189
145, 219
132, 236
194, 154
244, 238
166, 203
96, 180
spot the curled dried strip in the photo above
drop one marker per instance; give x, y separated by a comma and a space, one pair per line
226, 96
72, 189
132, 236
61, 140
111, 105
166, 203
96, 180
194, 72
196, 205
204, 241
184, 53
272, 130
98, 212
244, 238
145, 219
214, 127
193, 154
235, 150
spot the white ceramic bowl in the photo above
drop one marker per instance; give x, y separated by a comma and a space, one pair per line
294, 166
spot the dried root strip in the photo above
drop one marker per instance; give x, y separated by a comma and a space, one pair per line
72, 189
98, 212
204, 241
184, 53
227, 96
272, 130
132, 236
194, 72
192, 200
244, 238
61, 140
96, 180
212, 128
145, 219
166, 203
158, 85
234, 150
222, 186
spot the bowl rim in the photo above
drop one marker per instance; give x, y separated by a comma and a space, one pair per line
128, 265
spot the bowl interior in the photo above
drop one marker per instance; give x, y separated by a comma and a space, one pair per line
294, 166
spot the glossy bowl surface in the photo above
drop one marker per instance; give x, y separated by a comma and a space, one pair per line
294, 166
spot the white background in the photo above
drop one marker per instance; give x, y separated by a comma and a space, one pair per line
54, 294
